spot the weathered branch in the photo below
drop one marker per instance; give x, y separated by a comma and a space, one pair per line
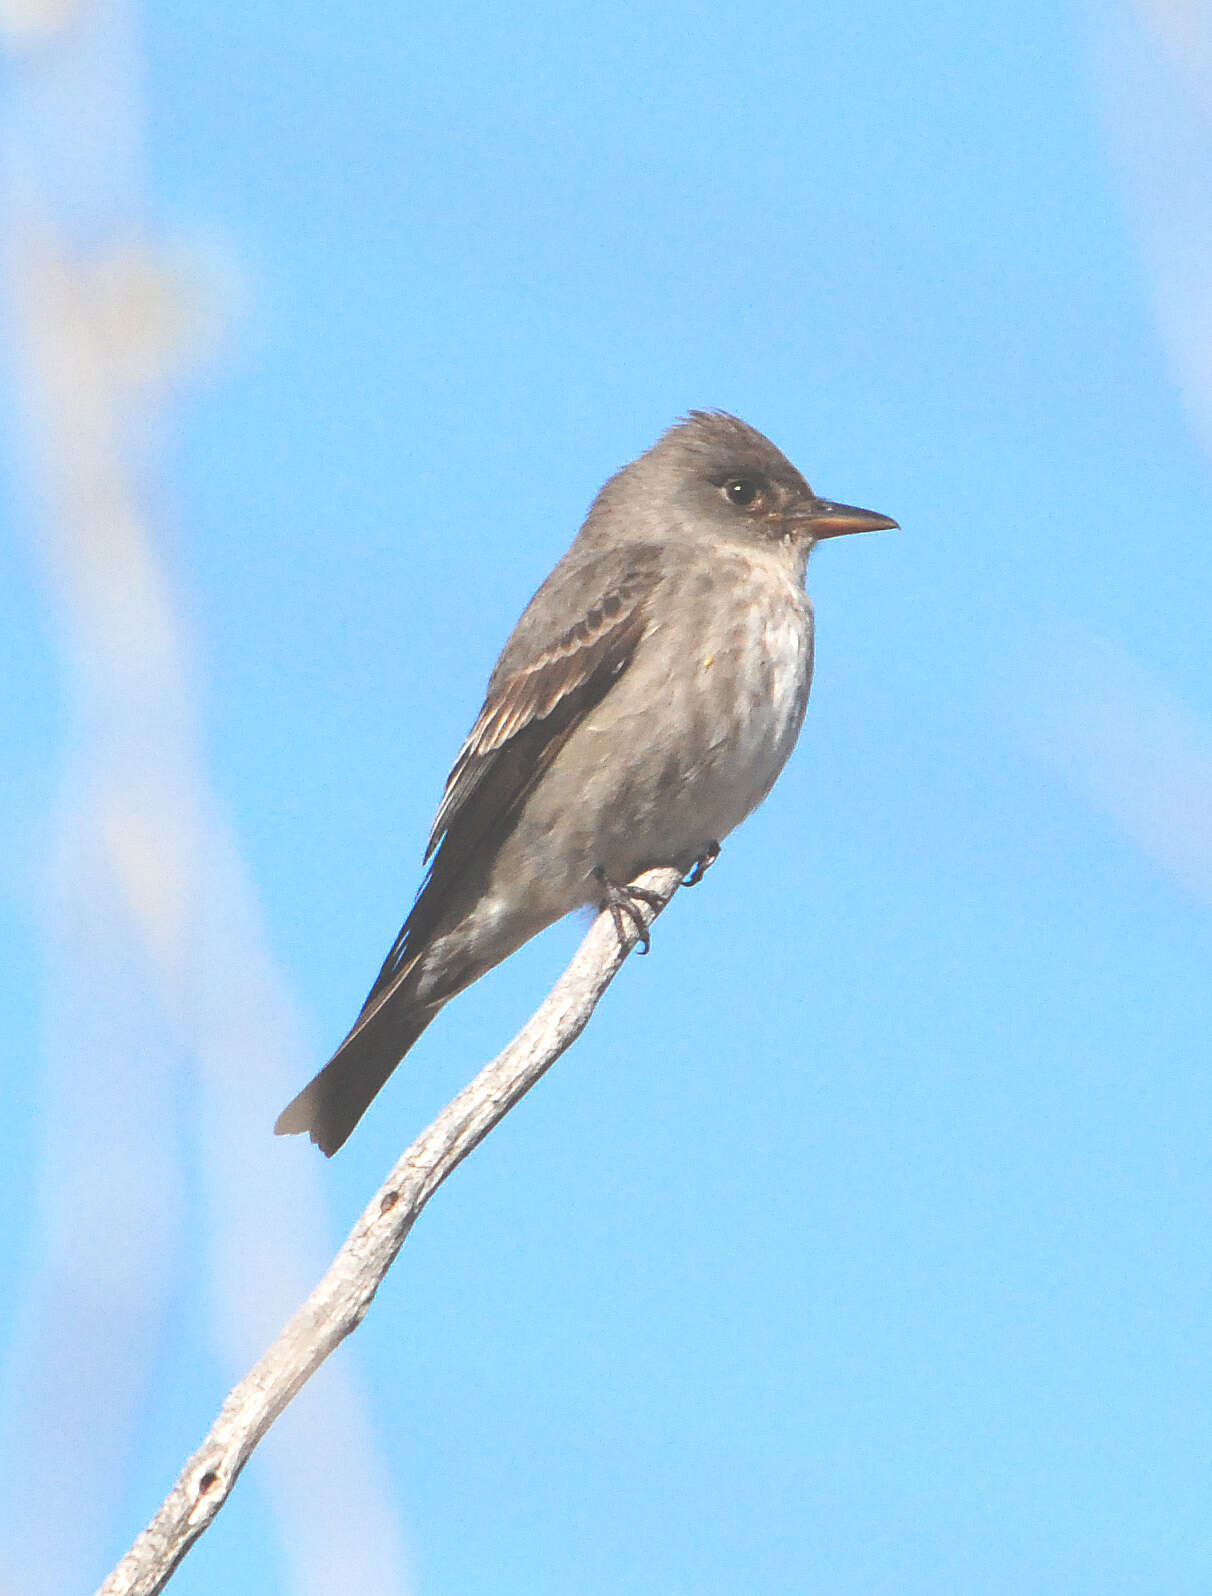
339, 1302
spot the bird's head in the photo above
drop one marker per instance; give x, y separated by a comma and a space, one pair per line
712, 477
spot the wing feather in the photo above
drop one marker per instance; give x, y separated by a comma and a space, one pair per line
600, 642
534, 703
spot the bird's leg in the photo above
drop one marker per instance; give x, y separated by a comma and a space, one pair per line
702, 865
622, 901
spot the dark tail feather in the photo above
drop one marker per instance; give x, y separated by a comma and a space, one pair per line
331, 1105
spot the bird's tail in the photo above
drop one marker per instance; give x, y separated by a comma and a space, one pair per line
331, 1104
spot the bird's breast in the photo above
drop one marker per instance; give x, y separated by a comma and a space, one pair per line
686, 743
704, 719
749, 691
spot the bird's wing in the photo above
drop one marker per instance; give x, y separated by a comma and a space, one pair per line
554, 687
539, 693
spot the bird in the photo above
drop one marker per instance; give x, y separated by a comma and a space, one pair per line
644, 705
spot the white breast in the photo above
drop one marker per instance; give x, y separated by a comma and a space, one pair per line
763, 671
694, 734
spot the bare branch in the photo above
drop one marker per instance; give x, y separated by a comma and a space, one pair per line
339, 1303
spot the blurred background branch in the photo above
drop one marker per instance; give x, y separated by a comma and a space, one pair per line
160, 986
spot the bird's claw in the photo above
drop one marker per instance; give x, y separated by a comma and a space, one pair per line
702, 865
622, 901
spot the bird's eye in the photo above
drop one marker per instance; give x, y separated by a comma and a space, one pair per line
743, 492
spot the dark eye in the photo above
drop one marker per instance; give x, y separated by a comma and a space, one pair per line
744, 492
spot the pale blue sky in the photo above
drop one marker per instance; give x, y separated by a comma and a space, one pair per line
861, 1244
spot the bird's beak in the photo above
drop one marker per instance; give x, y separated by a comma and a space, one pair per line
821, 518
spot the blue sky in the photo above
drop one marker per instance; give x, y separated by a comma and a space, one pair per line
860, 1245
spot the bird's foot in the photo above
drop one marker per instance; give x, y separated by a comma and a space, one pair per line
702, 865
622, 901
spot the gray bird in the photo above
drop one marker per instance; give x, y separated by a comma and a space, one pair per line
648, 698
